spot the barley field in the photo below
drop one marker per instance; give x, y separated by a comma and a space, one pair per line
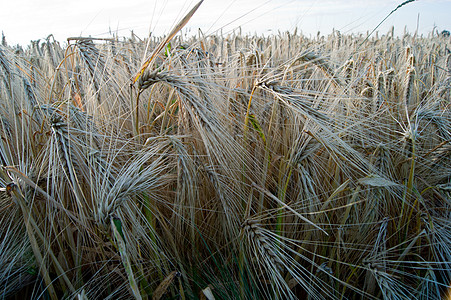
232, 167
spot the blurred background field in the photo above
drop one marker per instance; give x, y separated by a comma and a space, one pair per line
26, 20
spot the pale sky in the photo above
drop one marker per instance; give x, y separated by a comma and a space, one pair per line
25, 20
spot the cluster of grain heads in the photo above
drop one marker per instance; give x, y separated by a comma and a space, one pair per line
237, 167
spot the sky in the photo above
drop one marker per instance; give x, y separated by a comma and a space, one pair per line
24, 20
